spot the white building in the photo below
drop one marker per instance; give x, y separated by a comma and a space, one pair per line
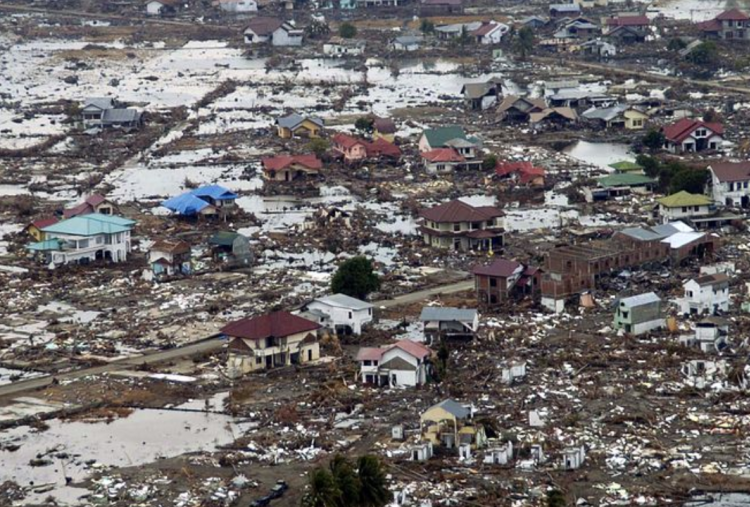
711, 335
162, 7
337, 46
706, 294
730, 183
501, 455
404, 363
449, 322
85, 238
510, 371
278, 32
340, 313
237, 6
684, 205
573, 457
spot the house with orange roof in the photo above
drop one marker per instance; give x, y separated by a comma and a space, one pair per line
291, 167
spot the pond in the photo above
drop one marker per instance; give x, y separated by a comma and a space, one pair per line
600, 155
142, 437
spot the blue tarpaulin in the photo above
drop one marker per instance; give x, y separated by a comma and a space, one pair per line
185, 204
215, 192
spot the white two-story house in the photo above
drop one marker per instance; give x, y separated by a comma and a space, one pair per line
340, 313
405, 363
688, 135
684, 205
730, 183
706, 294
83, 239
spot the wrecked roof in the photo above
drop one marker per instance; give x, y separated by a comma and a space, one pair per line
440, 313
263, 25
172, 246
215, 192
186, 204
224, 238
452, 407
276, 324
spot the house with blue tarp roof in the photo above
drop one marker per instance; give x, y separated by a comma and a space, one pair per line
206, 200
83, 239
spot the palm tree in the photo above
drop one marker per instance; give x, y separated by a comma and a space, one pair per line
346, 480
323, 490
373, 492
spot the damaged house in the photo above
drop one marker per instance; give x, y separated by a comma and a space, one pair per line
209, 200
453, 138
520, 173
291, 167
481, 96
688, 135
100, 112
340, 313
450, 424
34, 229
460, 226
262, 30
85, 239
707, 294
170, 257
711, 335
230, 248
448, 323
519, 109
268, 341
639, 314
733, 24
405, 363
296, 125
619, 116
503, 279
730, 183
92, 204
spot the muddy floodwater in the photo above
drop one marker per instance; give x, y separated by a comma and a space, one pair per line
75, 449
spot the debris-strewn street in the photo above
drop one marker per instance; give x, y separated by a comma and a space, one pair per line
374, 253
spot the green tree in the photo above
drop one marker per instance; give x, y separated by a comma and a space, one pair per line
704, 55
676, 44
364, 124
525, 41
323, 490
653, 140
489, 162
318, 146
688, 179
555, 498
373, 492
356, 278
347, 31
651, 165
346, 479
427, 26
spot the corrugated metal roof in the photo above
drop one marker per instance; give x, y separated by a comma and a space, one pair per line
344, 301
431, 313
640, 300
453, 407
91, 225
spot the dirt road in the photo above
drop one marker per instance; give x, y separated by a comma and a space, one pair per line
205, 345
640, 74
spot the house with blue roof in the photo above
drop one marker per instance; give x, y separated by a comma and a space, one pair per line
83, 239
207, 200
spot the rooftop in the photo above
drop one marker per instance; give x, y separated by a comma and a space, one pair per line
276, 324
430, 313
457, 211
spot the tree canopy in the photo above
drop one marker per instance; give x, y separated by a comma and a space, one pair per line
343, 485
347, 31
355, 277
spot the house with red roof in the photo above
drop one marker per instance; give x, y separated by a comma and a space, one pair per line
272, 340
92, 204
520, 173
627, 27
733, 24
291, 167
34, 229
457, 225
730, 183
689, 135
405, 363
353, 149
502, 279
442, 160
